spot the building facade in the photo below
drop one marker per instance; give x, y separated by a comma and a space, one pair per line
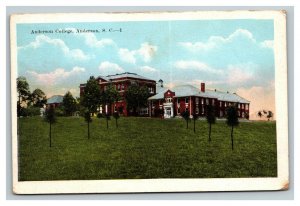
172, 102
168, 103
121, 82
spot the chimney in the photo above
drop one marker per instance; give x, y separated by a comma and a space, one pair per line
161, 83
202, 87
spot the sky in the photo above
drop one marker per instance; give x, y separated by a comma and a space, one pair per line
227, 55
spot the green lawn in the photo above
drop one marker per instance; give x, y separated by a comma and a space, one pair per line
144, 148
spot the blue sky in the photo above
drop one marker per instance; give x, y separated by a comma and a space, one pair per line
233, 55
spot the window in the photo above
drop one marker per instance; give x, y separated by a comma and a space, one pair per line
197, 110
207, 101
220, 104
202, 109
238, 113
225, 104
243, 114
239, 105
178, 110
242, 106
168, 99
186, 100
122, 87
178, 102
213, 102
247, 106
221, 113
197, 100
202, 101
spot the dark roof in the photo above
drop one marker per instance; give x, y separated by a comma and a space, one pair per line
55, 99
124, 75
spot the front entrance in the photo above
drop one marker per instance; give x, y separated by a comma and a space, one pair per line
168, 110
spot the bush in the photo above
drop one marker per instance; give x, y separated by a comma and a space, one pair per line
99, 115
59, 112
30, 111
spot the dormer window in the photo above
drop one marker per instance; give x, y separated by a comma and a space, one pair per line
186, 100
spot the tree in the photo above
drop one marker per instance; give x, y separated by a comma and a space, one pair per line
211, 118
38, 98
136, 97
88, 119
232, 120
110, 95
107, 116
90, 100
270, 115
91, 96
259, 113
186, 116
116, 116
23, 92
195, 117
51, 119
69, 104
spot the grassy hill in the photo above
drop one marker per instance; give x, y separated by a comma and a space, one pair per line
144, 148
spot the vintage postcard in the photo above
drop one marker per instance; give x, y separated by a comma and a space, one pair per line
149, 102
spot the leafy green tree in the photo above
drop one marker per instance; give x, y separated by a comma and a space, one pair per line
232, 120
91, 97
186, 116
136, 97
195, 117
88, 119
38, 98
90, 100
69, 104
110, 95
51, 119
23, 93
116, 116
211, 118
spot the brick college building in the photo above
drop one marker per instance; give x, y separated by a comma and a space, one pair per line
122, 82
169, 103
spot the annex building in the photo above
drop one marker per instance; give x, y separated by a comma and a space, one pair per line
170, 102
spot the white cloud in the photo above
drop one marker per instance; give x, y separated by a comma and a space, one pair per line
145, 53
110, 68
127, 56
238, 74
43, 40
195, 65
55, 76
148, 69
267, 44
217, 41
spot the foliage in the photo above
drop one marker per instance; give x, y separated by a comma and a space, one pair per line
232, 120
110, 95
232, 116
270, 115
116, 115
50, 115
23, 92
51, 118
186, 116
38, 98
69, 104
211, 118
87, 117
195, 117
29, 111
100, 115
107, 117
259, 113
136, 97
91, 95
59, 111
144, 148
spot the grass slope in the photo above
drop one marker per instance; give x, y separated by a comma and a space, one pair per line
144, 148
